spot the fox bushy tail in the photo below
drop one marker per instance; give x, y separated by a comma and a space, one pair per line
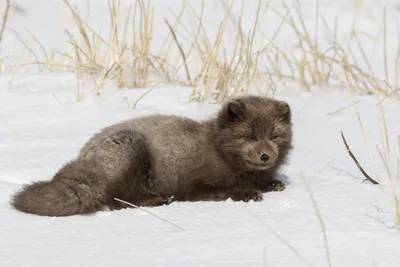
77, 188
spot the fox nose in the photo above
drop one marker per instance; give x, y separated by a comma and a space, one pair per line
264, 157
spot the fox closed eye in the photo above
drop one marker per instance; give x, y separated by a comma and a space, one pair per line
275, 136
249, 137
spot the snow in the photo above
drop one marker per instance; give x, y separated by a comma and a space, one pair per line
43, 127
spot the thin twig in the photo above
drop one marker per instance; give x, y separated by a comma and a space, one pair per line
180, 50
133, 205
356, 161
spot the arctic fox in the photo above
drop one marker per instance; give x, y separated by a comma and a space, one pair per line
157, 159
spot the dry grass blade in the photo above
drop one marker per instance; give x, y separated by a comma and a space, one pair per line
265, 48
155, 215
189, 79
15, 68
394, 92
367, 177
5, 19
386, 158
81, 27
398, 158
41, 47
341, 109
385, 44
362, 128
385, 131
284, 241
321, 222
143, 95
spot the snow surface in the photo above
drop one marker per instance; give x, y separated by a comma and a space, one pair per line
43, 126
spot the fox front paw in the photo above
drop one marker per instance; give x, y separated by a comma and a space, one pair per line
276, 186
168, 200
247, 196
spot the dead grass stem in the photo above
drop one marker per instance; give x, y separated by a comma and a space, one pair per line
282, 239
5, 19
151, 213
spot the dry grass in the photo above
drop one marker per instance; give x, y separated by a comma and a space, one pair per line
385, 153
323, 66
190, 56
115, 58
151, 213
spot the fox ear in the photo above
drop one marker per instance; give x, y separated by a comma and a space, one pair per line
284, 111
234, 110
